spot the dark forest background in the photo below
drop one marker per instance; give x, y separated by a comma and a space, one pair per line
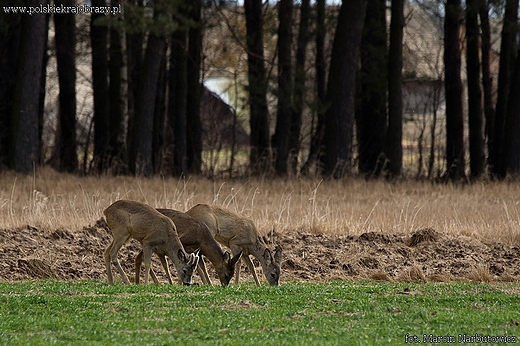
423, 89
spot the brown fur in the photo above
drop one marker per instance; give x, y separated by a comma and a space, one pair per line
240, 234
155, 232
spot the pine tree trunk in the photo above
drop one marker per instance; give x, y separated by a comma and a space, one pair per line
299, 85
25, 150
341, 90
509, 30
65, 25
280, 140
176, 129
259, 114
10, 41
194, 125
394, 137
453, 90
143, 132
476, 140
320, 65
487, 83
117, 104
512, 132
371, 116
98, 39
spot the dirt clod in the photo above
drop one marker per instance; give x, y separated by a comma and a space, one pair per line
428, 256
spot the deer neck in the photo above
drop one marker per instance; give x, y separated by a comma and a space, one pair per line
212, 251
258, 250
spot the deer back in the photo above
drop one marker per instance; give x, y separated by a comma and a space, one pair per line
226, 225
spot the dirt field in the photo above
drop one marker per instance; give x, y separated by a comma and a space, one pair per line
422, 256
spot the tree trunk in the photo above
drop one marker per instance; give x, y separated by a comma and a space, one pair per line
134, 57
176, 129
487, 82
98, 39
117, 127
371, 120
143, 131
320, 65
10, 42
259, 114
509, 30
194, 125
394, 137
299, 85
476, 140
341, 90
24, 154
453, 90
158, 140
280, 140
512, 132
65, 25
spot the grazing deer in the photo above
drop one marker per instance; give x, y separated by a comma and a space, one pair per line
155, 232
240, 234
194, 234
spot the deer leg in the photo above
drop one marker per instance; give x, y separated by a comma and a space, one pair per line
203, 272
138, 263
166, 269
111, 257
147, 254
251, 267
235, 250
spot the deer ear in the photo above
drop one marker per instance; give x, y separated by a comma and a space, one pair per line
278, 254
267, 256
237, 258
227, 256
182, 255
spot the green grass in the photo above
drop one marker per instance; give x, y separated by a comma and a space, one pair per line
92, 312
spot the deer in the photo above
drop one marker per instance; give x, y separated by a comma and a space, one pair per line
194, 234
240, 234
156, 233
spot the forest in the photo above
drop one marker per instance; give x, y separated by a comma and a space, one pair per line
423, 89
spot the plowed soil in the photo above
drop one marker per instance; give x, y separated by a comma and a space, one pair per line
422, 256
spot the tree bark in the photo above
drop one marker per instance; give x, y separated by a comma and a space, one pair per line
25, 149
476, 140
117, 150
143, 132
299, 85
512, 132
176, 129
10, 41
509, 30
453, 90
98, 39
341, 90
320, 66
65, 26
487, 80
393, 145
280, 140
371, 118
134, 57
194, 125
259, 114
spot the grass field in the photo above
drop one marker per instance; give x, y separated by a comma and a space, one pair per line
484, 210
91, 312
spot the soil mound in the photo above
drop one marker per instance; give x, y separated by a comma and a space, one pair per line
421, 256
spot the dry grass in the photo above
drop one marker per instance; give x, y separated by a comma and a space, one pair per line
485, 211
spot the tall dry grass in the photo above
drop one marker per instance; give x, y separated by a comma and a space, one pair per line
487, 211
